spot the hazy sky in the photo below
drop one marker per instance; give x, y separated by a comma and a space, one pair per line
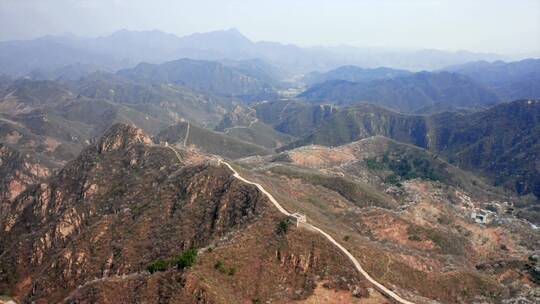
502, 26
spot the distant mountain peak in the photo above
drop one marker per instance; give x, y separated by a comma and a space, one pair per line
219, 38
233, 30
127, 32
236, 32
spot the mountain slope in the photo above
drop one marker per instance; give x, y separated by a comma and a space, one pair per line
18, 171
109, 185
92, 232
164, 101
498, 72
53, 120
206, 76
292, 116
209, 141
511, 80
500, 142
365, 120
354, 74
24, 96
406, 214
259, 69
243, 124
406, 94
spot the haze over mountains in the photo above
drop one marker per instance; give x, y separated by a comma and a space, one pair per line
510, 80
146, 167
125, 49
476, 84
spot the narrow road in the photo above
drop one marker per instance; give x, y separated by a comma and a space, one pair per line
176, 153
187, 135
357, 265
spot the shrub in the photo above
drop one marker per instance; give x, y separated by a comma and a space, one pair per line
393, 179
187, 259
232, 271
415, 237
282, 227
410, 167
444, 220
118, 188
159, 265
219, 266
373, 164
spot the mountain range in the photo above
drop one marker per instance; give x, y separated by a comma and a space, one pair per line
125, 49
500, 142
353, 73
206, 76
510, 80
470, 86
406, 93
143, 167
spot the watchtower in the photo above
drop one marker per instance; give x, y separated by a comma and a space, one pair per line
299, 218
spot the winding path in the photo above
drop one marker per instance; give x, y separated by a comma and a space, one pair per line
357, 265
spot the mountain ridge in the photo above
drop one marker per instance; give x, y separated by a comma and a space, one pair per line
478, 141
405, 93
124, 49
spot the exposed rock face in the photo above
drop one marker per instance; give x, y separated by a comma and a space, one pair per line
17, 172
298, 263
119, 206
122, 136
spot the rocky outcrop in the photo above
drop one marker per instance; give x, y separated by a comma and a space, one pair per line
122, 136
17, 173
297, 263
